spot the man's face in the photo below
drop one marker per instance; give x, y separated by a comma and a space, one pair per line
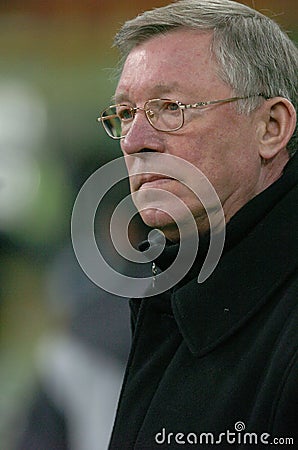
219, 141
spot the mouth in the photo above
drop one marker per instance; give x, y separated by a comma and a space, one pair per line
152, 180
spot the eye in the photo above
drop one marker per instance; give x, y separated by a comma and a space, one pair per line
171, 106
125, 113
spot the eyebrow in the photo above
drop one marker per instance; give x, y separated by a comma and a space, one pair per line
158, 90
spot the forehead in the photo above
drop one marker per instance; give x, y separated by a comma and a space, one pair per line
178, 61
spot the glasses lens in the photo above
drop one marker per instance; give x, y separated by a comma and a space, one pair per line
111, 122
164, 115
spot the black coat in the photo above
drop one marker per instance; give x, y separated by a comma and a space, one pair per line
221, 356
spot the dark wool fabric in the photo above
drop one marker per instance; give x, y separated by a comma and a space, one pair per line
207, 356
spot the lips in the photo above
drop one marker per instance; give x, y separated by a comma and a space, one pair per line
152, 179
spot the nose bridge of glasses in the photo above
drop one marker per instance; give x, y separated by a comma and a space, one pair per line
136, 125
149, 113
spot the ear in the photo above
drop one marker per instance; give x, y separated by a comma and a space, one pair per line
276, 126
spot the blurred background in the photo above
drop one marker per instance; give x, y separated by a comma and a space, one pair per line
63, 342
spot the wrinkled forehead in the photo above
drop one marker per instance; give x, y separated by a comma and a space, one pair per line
179, 44
178, 61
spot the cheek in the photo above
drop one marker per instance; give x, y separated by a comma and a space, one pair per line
226, 155
200, 149
223, 140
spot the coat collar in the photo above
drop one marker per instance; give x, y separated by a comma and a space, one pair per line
260, 254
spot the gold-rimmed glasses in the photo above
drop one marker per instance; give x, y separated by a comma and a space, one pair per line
162, 114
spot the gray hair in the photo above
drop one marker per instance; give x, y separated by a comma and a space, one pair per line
252, 52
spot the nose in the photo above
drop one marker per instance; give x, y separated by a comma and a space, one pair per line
141, 136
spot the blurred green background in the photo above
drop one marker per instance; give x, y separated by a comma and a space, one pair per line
55, 77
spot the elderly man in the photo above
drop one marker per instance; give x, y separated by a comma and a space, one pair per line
215, 83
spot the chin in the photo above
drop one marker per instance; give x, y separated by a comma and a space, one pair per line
159, 211
156, 218
164, 222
